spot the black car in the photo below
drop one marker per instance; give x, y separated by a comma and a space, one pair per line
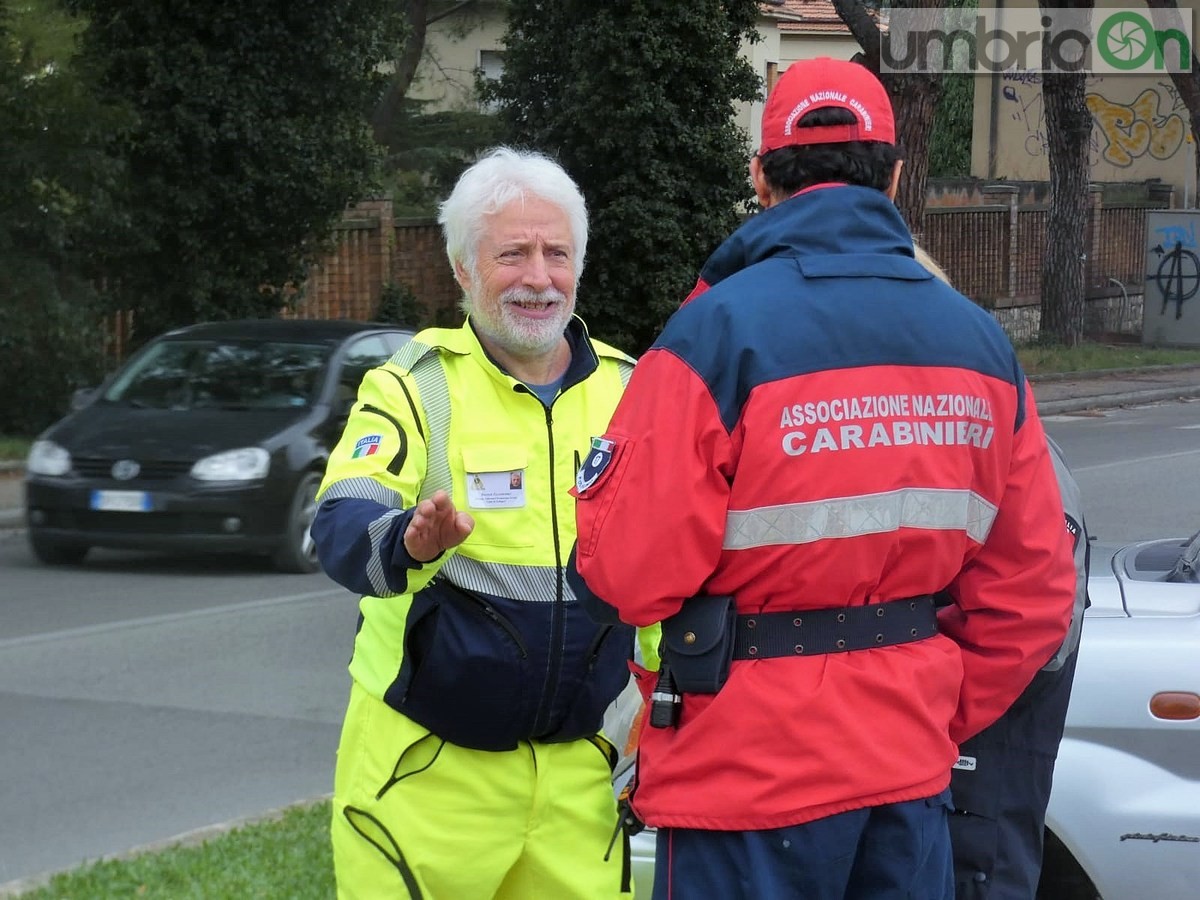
211, 437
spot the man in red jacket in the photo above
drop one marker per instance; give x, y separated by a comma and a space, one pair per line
823, 437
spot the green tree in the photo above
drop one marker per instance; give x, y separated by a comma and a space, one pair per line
54, 177
250, 136
637, 100
950, 140
424, 153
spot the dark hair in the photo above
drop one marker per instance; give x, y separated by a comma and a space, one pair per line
864, 163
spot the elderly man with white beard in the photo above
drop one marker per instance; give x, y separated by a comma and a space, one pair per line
471, 762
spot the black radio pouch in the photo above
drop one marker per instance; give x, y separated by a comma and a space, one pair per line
697, 643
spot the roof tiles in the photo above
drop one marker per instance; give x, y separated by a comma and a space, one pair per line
804, 16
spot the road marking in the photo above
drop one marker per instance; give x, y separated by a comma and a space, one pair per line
1138, 459
171, 618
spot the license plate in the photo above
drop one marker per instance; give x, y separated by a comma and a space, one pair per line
121, 501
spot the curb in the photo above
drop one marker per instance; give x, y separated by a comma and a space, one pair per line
1052, 377
1112, 401
12, 517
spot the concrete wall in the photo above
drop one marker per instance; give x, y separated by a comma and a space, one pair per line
446, 75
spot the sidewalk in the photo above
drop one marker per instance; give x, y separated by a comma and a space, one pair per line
1080, 391
1056, 395
12, 495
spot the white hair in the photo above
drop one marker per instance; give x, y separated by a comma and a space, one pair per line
497, 179
930, 264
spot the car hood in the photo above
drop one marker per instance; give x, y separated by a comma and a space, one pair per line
114, 431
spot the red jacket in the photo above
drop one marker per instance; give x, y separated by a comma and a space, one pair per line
824, 428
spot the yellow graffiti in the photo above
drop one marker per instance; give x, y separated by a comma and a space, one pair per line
1136, 129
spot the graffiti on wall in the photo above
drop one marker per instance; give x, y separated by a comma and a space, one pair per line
1132, 130
1178, 274
1151, 125
1022, 93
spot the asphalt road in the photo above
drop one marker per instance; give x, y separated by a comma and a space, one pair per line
1138, 468
143, 697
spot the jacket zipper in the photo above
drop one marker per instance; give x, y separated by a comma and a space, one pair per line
488, 611
593, 651
557, 615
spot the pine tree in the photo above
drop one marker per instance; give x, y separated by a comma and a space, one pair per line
638, 101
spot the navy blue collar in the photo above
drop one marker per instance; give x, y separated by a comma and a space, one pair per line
831, 219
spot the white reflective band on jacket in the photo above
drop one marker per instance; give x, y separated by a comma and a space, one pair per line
839, 517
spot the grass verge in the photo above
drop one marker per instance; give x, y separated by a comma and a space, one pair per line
286, 858
1039, 359
14, 448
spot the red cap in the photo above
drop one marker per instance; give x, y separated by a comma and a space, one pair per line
823, 82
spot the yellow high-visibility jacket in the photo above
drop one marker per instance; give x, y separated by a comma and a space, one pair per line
485, 645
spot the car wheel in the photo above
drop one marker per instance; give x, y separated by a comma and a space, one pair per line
54, 552
298, 553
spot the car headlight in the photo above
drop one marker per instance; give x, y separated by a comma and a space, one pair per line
48, 458
245, 464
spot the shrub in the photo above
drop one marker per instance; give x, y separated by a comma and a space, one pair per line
51, 343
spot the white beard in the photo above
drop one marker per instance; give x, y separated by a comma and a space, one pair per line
519, 335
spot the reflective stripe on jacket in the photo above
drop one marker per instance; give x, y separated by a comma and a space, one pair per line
485, 645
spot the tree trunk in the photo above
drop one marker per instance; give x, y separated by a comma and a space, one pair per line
857, 17
1064, 266
387, 110
914, 97
1166, 13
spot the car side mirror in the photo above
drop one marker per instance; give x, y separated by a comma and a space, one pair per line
346, 397
1187, 568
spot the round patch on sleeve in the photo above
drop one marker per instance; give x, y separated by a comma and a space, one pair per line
599, 456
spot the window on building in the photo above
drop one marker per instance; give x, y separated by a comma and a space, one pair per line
491, 63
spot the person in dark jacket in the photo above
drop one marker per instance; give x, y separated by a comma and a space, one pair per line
1001, 781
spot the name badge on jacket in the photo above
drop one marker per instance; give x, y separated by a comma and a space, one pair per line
496, 490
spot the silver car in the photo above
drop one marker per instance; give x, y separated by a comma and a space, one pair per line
1124, 815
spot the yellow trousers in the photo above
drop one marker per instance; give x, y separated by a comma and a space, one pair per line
417, 817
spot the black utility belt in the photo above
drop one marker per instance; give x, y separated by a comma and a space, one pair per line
813, 631
706, 635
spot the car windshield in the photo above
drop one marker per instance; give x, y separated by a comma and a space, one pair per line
221, 374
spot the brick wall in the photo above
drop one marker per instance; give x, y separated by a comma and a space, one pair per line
993, 253
372, 250
419, 263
